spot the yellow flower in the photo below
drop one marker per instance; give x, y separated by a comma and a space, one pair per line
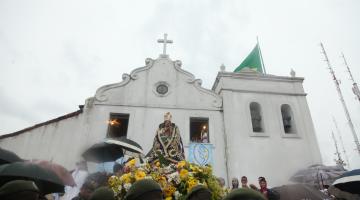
114, 181
192, 182
126, 178
168, 198
157, 164
161, 180
131, 163
195, 168
208, 170
169, 190
181, 164
183, 174
139, 174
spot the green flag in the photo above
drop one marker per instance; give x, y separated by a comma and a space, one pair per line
252, 61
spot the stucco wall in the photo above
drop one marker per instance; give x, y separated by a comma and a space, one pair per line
272, 154
58, 141
64, 141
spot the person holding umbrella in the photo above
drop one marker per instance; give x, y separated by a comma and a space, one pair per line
79, 175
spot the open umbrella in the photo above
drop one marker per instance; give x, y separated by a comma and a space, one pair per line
318, 175
59, 170
299, 192
47, 181
349, 182
103, 152
340, 194
8, 157
127, 144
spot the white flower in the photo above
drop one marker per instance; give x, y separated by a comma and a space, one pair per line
177, 195
127, 186
148, 177
120, 187
174, 177
168, 169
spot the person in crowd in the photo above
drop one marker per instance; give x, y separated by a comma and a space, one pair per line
244, 182
263, 187
199, 192
118, 169
102, 193
244, 194
221, 181
235, 183
19, 189
268, 193
98, 179
86, 190
79, 174
145, 189
325, 190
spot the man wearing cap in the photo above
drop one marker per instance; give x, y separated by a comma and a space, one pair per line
145, 189
244, 194
199, 192
102, 193
19, 189
167, 142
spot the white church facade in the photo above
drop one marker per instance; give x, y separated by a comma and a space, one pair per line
258, 124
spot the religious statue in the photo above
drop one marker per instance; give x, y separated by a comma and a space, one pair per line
167, 143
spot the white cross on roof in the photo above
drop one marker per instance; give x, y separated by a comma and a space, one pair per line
165, 41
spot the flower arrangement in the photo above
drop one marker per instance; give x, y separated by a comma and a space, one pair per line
176, 180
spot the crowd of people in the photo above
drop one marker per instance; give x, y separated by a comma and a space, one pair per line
263, 189
94, 186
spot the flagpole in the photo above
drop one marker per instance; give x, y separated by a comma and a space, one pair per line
262, 61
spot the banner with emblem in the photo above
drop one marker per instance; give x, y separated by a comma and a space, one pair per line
201, 153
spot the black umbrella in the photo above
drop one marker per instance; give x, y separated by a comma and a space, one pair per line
103, 152
127, 144
349, 182
299, 192
8, 157
47, 181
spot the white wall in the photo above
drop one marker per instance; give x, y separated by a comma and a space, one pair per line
58, 141
64, 141
272, 154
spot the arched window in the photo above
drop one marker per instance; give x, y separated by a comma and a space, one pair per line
288, 119
256, 118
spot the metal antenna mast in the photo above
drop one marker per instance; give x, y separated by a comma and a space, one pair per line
338, 161
337, 85
341, 142
355, 87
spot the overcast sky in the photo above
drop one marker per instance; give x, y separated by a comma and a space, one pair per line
55, 54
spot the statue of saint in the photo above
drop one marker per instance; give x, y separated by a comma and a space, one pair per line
167, 142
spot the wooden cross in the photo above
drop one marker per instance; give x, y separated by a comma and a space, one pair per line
165, 41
